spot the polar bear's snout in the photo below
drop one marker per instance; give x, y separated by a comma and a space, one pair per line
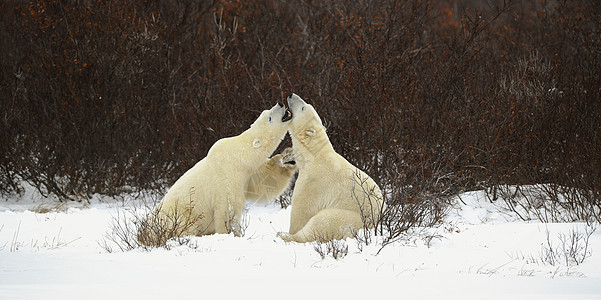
294, 99
294, 102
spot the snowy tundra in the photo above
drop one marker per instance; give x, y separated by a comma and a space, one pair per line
480, 251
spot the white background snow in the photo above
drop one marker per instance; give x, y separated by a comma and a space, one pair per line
480, 251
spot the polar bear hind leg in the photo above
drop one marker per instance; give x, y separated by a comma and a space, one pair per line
328, 224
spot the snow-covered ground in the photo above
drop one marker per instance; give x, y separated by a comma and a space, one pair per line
481, 251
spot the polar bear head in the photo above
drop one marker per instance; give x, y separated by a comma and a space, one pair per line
306, 129
271, 127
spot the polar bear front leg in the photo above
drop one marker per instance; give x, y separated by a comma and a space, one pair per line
272, 178
299, 216
228, 214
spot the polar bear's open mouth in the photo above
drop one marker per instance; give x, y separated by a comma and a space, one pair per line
287, 115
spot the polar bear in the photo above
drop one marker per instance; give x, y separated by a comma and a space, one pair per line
209, 198
332, 199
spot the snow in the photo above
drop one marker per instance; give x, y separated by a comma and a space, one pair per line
481, 250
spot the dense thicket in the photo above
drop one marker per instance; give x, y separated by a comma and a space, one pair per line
430, 98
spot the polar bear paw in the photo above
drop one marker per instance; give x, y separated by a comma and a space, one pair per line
287, 158
287, 237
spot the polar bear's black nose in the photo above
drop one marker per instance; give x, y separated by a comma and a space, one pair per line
281, 104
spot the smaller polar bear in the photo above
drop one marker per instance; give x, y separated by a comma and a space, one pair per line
209, 198
332, 199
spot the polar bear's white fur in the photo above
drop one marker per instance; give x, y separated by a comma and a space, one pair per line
332, 199
209, 198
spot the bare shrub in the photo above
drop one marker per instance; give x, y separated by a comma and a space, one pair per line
44, 208
331, 247
237, 224
285, 199
140, 226
573, 248
159, 226
403, 216
409, 207
437, 97
548, 202
371, 206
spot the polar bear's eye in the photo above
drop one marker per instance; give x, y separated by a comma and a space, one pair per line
269, 119
303, 108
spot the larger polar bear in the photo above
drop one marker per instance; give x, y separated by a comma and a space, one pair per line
209, 198
332, 199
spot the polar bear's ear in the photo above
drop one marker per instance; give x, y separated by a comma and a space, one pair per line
256, 143
310, 131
